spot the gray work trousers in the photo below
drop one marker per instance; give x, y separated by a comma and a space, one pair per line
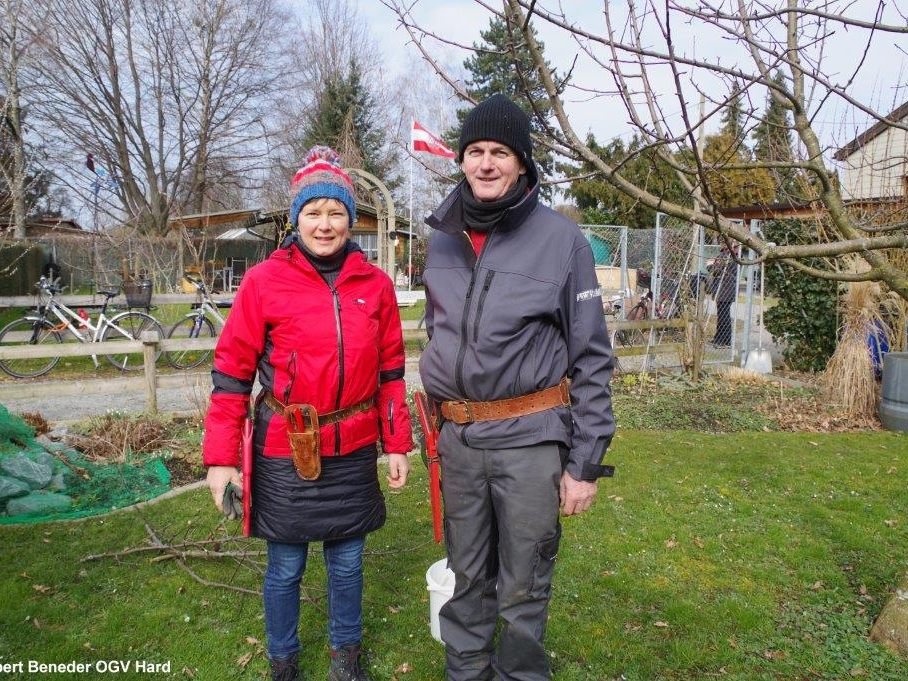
502, 531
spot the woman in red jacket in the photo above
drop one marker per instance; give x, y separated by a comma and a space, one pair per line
319, 325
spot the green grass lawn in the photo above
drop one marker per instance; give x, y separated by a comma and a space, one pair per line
736, 556
413, 312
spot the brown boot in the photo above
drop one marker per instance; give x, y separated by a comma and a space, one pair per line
285, 669
345, 665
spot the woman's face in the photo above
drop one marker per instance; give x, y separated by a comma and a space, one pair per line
324, 226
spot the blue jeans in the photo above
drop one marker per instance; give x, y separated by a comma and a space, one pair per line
286, 565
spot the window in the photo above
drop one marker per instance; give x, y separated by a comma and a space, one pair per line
368, 241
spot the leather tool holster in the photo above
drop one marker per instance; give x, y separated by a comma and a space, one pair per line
303, 423
305, 440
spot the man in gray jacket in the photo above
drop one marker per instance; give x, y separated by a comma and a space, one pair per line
520, 361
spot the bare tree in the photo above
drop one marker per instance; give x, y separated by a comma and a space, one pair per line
162, 93
332, 50
637, 54
15, 42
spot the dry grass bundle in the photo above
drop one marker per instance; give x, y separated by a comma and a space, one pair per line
738, 376
849, 379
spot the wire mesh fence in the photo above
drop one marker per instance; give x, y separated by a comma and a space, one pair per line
667, 274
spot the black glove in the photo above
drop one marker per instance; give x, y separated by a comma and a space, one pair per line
232, 502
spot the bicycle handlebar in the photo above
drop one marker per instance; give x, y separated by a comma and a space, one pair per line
46, 284
198, 283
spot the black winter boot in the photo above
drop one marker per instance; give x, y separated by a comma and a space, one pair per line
286, 669
345, 665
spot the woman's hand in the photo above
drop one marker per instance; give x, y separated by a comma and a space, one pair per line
218, 477
398, 468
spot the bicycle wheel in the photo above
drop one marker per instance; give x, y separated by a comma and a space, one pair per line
633, 347
29, 332
194, 326
129, 326
613, 341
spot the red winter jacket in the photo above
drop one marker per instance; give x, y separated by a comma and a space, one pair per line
331, 347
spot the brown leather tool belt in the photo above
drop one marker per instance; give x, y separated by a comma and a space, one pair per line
461, 412
323, 419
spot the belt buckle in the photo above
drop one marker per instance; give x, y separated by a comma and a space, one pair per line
467, 411
565, 390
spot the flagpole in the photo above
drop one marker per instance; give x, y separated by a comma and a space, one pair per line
410, 229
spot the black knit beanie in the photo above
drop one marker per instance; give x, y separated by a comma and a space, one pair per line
500, 120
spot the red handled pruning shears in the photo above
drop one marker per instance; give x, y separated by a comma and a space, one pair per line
429, 422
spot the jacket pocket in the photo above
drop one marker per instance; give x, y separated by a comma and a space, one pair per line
487, 284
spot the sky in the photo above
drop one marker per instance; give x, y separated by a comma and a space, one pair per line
884, 68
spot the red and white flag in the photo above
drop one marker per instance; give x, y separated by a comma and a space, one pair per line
423, 140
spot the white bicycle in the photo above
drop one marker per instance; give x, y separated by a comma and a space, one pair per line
196, 324
51, 320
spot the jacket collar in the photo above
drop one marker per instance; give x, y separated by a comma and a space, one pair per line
448, 217
289, 252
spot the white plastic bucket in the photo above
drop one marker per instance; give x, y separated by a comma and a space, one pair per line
440, 582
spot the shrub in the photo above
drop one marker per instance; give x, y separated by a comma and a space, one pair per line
804, 319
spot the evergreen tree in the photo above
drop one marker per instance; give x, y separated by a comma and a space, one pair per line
733, 120
735, 187
502, 64
772, 143
344, 118
602, 203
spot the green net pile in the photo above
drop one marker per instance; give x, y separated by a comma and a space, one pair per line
42, 481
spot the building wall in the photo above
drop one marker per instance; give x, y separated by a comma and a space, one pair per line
877, 170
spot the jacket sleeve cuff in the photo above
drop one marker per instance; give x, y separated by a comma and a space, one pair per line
591, 472
584, 461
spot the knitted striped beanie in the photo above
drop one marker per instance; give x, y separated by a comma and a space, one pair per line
321, 178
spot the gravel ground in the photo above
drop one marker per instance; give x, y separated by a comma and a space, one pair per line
188, 398
183, 399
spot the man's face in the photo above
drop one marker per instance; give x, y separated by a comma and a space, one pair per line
491, 168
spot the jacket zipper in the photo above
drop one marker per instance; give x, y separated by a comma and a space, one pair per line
465, 318
465, 327
340, 365
482, 300
291, 374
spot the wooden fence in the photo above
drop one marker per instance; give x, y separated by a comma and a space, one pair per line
152, 380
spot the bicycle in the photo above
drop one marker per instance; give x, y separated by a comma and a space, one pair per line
40, 328
196, 324
630, 342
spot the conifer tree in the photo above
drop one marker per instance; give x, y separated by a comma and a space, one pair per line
344, 118
502, 64
602, 203
772, 142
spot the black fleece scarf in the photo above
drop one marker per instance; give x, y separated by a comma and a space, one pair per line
328, 266
483, 215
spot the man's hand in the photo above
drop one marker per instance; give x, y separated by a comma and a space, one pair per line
218, 477
576, 495
398, 469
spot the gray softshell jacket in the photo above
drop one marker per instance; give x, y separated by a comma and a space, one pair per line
516, 319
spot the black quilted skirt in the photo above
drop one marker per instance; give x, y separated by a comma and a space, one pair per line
346, 500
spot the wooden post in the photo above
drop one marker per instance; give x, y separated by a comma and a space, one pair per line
150, 342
